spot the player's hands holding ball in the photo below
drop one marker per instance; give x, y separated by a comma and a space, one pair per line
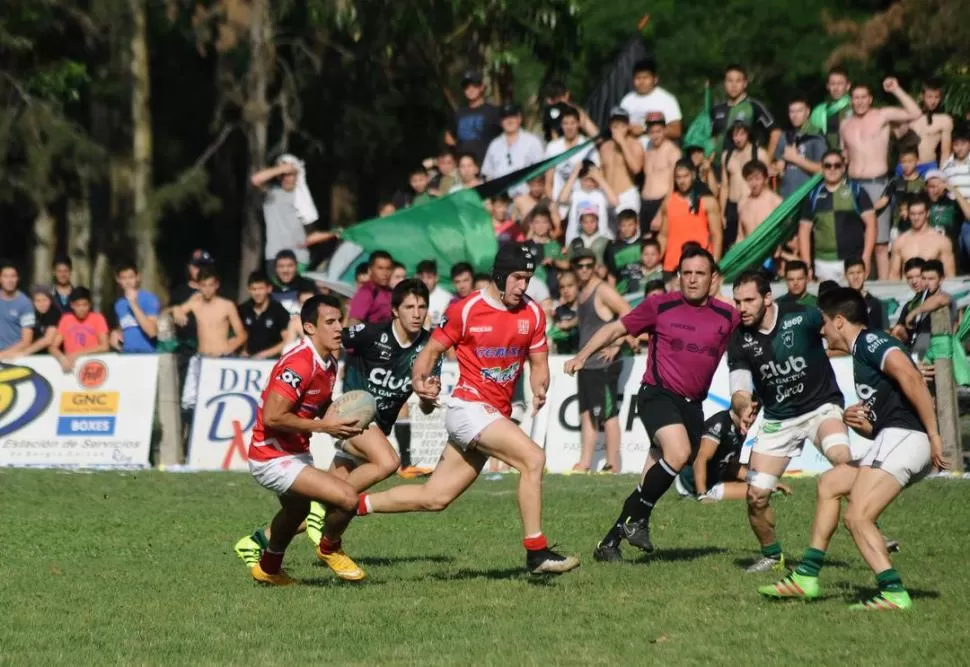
856, 417
339, 427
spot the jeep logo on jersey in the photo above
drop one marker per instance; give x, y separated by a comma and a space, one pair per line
380, 377
501, 375
290, 378
792, 322
780, 369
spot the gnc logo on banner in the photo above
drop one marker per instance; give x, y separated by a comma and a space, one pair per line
24, 395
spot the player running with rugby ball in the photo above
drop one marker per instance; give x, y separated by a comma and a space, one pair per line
378, 360
494, 331
299, 389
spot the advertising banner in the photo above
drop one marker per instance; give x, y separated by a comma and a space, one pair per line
99, 415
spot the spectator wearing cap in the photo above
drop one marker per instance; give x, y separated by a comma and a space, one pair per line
622, 158
647, 97
592, 192
288, 284
80, 331
16, 314
477, 122
734, 187
798, 156
371, 303
558, 103
659, 161
288, 209
512, 150
760, 120
46, 318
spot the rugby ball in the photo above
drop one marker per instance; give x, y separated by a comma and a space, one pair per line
356, 404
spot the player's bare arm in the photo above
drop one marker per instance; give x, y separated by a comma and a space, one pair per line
901, 369
704, 454
426, 385
277, 415
605, 336
538, 379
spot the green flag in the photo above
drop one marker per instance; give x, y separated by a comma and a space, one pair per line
943, 346
700, 131
761, 245
453, 229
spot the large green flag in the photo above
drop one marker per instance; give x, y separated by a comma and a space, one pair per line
761, 245
943, 346
821, 112
700, 132
453, 229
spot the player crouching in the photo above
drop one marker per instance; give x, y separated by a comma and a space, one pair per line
897, 411
299, 389
494, 331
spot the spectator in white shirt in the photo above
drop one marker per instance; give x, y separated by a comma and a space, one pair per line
648, 97
957, 168
592, 192
512, 150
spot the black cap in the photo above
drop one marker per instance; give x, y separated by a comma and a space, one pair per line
510, 109
201, 258
619, 113
510, 258
471, 76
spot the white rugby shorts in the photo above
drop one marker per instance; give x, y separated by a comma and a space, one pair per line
903, 453
466, 420
787, 437
278, 474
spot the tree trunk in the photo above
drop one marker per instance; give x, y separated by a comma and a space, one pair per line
79, 242
256, 119
144, 221
45, 241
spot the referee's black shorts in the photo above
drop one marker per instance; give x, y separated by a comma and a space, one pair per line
659, 407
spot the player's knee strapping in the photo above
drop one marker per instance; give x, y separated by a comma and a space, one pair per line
761, 480
402, 433
834, 440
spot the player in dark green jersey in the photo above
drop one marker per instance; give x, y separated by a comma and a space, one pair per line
778, 353
379, 360
896, 410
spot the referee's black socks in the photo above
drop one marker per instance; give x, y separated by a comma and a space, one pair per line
639, 504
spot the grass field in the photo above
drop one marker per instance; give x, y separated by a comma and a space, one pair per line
138, 568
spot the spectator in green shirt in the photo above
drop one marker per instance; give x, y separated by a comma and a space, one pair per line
796, 275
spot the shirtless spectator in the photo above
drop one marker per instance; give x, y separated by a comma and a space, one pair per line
829, 115
760, 202
865, 141
80, 331
622, 159
934, 128
571, 137
221, 332
734, 187
799, 153
467, 173
512, 150
921, 241
837, 222
264, 318
659, 161
724, 115
371, 303
288, 282
647, 97
462, 279
855, 277
536, 195
477, 122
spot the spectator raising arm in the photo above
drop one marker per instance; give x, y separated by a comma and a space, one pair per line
714, 221
264, 176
